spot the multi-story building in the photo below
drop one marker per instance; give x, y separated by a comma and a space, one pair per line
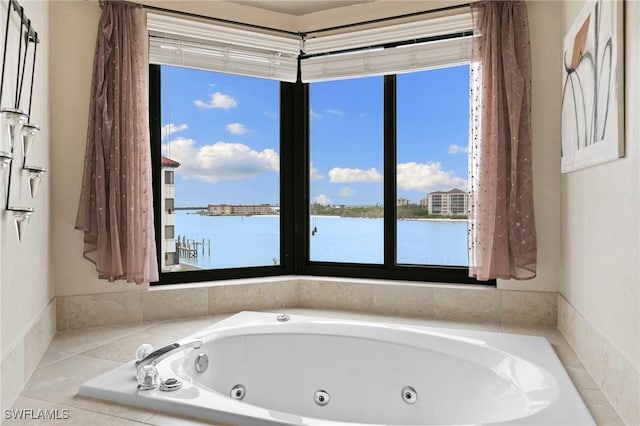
403, 202
241, 210
449, 203
167, 182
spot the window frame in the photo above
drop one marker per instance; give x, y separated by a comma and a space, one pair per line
155, 123
295, 201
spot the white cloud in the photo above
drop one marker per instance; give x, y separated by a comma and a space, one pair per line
337, 112
346, 191
236, 128
427, 177
314, 174
271, 115
169, 129
457, 149
322, 199
345, 175
221, 160
314, 115
218, 100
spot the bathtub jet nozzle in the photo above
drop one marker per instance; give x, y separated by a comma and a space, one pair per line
321, 398
238, 392
409, 395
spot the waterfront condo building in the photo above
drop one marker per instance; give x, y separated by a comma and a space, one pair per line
167, 178
449, 203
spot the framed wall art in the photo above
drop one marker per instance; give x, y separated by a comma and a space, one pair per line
593, 86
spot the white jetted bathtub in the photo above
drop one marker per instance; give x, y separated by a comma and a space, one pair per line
268, 370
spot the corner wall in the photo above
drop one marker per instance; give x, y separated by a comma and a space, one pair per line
599, 306
27, 308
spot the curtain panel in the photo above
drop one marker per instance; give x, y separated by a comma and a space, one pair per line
502, 234
116, 202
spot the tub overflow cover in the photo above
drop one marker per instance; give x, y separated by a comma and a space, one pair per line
202, 362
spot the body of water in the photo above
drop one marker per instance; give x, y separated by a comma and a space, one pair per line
238, 241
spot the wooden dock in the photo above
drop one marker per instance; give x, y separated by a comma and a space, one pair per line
190, 249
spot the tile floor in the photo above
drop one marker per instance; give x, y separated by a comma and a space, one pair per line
77, 355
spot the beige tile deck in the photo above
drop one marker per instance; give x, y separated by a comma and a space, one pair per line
77, 355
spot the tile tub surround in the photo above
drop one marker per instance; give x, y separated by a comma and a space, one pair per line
77, 355
460, 303
611, 372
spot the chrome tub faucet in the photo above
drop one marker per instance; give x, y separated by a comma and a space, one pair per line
159, 354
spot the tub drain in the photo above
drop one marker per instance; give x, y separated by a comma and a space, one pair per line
409, 395
238, 392
321, 398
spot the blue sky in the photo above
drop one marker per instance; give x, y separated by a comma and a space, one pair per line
224, 130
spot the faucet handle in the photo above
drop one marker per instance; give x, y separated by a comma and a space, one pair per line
143, 351
147, 378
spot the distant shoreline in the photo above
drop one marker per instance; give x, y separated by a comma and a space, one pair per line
419, 219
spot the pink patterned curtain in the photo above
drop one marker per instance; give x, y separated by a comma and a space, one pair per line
502, 233
116, 206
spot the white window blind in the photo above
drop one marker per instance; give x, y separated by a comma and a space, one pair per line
443, 51
205, 45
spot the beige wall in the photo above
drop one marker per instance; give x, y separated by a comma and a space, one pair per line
600, 211
26, 285
71, 69
25, 273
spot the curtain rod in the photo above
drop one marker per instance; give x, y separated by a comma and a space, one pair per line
303, 34
389, 18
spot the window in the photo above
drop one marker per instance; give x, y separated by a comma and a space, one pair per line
347, 173
432, 163
220, 133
